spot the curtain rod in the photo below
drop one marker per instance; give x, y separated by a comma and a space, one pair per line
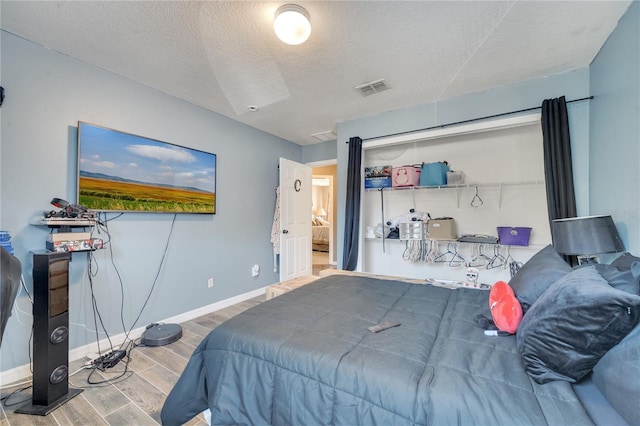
469, 121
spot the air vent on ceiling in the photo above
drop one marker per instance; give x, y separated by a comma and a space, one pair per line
325, 136
372, 87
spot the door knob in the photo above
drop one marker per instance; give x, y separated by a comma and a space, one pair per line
285, 231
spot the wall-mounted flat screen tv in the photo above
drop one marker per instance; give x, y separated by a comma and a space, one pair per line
121, 172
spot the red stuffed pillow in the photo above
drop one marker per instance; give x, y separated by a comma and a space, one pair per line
506, 311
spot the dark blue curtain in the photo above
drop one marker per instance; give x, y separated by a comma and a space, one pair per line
352, 210
558, 169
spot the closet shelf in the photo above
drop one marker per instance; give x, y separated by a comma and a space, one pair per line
396, 240
460, 186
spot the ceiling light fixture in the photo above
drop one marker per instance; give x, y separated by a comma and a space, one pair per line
292, 24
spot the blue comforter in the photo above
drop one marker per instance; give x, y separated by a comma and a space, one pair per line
307, 358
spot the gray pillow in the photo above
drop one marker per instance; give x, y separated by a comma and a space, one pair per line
625, 261
617, 376
573, 324
625, 280
537, 275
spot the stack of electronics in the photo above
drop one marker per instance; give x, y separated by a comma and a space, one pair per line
68, 217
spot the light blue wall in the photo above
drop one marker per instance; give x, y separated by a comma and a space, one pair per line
319, 152
615, 129
46, 94
573, 85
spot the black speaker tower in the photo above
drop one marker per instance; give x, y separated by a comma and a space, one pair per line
50, 334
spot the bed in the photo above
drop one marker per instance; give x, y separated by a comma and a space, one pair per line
307, 357
320, 237
319, 233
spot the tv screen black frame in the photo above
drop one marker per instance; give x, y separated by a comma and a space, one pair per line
124, 172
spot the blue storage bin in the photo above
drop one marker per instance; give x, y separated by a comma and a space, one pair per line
434, 174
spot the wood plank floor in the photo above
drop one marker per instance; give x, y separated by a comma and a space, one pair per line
320, 261
136, 398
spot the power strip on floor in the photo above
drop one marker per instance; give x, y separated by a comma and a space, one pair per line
109, 360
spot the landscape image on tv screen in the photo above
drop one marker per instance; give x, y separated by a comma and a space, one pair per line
122, 172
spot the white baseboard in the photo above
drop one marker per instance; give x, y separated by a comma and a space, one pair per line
187, 316
23, 372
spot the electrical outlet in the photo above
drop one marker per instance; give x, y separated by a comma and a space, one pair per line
255, 270
210, 282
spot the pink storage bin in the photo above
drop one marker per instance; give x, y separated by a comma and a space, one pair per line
405, 176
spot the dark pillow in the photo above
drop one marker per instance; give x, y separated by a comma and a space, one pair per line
628, 280
573, 324
535, 276
625, 261
617, 376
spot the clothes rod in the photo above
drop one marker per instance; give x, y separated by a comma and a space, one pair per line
469, 121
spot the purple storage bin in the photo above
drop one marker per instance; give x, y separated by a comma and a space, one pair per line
517, 236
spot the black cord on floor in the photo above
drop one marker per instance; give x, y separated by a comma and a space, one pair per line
124, 375
5, 399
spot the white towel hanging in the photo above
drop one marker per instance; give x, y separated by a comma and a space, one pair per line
275, 231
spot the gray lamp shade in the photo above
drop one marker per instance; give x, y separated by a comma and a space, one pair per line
586, 235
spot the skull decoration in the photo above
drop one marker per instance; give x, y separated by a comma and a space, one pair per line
472, 275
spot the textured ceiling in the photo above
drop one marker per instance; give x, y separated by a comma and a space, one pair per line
224, 56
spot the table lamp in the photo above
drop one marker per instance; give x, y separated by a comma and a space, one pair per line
585, 237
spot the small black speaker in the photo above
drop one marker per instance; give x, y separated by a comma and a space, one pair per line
50, 333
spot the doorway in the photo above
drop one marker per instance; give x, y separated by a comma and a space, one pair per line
324, 217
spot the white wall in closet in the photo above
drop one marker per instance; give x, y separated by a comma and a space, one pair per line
506, 165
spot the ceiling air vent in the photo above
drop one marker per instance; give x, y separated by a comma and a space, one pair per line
325, 136
372, 87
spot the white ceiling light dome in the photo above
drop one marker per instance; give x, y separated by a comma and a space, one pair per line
292, 24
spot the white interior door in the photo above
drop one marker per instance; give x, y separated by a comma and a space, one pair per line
295, 220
